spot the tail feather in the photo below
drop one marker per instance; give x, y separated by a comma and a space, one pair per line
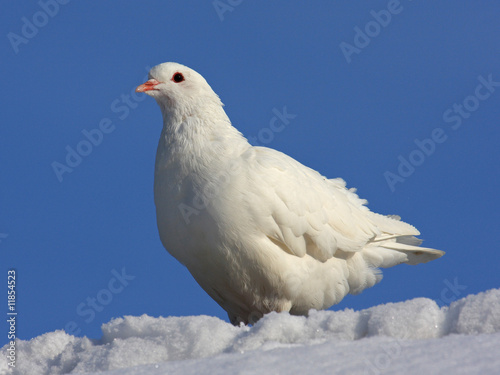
406, 239
415, 254
397, 244
409, 240
391, 253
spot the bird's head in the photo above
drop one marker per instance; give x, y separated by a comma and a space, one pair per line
177, 88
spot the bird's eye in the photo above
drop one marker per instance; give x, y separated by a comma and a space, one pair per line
177, 77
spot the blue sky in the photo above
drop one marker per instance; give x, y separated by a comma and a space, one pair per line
401, 99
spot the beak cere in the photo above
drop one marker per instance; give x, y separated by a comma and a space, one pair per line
147, 86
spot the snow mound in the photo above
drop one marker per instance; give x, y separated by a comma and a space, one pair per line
408, 336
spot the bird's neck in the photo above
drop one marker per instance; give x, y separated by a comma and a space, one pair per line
197, 145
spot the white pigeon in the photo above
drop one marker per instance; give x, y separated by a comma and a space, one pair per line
259, 231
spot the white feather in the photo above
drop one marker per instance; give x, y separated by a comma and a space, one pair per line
259, 231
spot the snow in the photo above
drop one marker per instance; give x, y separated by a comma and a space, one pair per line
412, 337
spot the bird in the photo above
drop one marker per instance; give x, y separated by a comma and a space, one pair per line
258, 230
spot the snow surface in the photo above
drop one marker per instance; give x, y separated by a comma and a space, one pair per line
411, 337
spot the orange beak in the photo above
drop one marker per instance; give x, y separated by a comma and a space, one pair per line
147, 86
